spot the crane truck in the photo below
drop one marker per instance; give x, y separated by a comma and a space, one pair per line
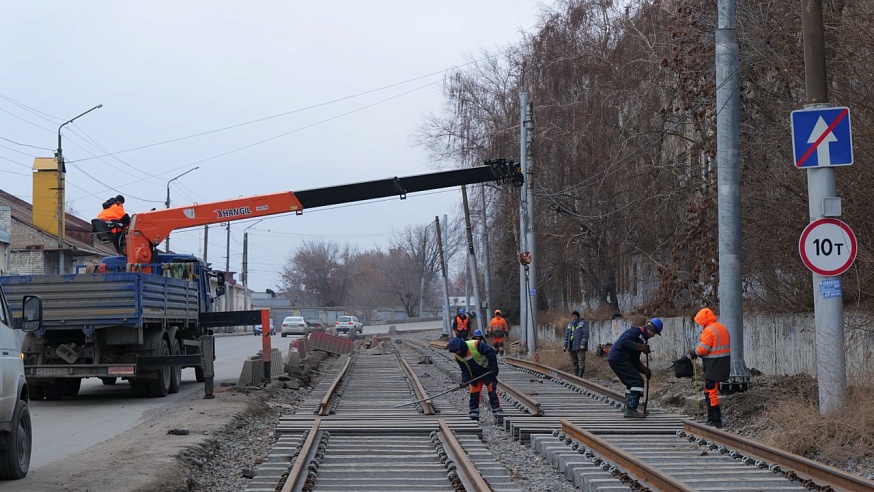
146, 315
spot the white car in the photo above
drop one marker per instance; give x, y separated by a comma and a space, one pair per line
345, 323
294, 325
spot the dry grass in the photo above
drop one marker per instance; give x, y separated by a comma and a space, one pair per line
843, 437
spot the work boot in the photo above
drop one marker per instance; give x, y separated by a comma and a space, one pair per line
631, 401
714, 417
473, 415
580, 371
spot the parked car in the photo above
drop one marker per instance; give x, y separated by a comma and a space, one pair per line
257, 329
315, 324
294, 325
345, 323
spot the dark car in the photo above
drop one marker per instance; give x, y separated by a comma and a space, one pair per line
315, 324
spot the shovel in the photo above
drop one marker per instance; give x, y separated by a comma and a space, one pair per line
646, 390
460, 386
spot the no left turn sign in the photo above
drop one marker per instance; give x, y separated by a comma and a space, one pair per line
827, 247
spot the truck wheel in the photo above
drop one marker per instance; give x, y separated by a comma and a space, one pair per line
176, 371
161, 386
198, 374
16, 444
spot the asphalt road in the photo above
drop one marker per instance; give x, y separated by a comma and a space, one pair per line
67, 426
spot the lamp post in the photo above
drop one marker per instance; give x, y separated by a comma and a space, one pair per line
61, 171
245, 276
167, 203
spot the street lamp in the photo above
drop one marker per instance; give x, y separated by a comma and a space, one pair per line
167, 203
245, 277
61, 170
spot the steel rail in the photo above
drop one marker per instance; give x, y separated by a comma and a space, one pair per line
821, 473
618, 457
466, 470
531, 404
421, 394
297, 476
553, 372
324, 404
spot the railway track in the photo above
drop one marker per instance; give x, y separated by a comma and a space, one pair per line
352, 433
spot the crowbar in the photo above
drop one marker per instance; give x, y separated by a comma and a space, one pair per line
646, 401
447, 391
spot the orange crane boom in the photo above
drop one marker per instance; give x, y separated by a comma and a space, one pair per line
148, 229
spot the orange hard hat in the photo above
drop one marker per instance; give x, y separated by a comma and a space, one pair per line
497, 312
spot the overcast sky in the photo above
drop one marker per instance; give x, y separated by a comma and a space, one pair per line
340, 88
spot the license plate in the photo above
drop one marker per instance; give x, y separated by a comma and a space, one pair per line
51, 371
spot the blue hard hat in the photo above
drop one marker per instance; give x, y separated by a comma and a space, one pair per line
657, 324
477, 333
455, 344
461, 311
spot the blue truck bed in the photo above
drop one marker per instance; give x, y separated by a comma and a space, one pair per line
94, 301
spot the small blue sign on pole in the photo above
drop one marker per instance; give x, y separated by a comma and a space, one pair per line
822, 137
830, 287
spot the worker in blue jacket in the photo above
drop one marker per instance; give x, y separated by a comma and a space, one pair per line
624, 359
476, 358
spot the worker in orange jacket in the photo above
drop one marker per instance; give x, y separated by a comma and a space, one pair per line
498, 329
461, 325
116, 218
715, 350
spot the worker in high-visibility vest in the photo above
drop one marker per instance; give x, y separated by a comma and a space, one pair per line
476, 359
714, 349
461, 325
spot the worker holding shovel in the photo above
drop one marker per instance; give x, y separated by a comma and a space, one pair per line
624, 359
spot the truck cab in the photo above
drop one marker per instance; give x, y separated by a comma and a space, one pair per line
15, 424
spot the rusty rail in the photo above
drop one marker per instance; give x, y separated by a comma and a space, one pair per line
325, 403
421, 394
531, 404
466, 470
297, 476
820, 473
618, 457
555, 373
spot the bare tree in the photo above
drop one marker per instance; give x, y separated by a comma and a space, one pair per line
322, 270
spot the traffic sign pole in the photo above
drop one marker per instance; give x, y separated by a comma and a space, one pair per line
828, 309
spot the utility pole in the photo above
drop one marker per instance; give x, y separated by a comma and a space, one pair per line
244, 276
205, 242
831, 365
530, 270
62, 170
487, 277
728, 185
446, 321
228, 248
422, 274
471, 261
523, 224
167, 204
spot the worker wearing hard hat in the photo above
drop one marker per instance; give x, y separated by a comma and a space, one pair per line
476, 359
498, 329
624, 359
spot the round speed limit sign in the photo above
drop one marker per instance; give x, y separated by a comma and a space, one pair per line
827, 247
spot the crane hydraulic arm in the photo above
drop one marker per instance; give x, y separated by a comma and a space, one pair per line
148, 229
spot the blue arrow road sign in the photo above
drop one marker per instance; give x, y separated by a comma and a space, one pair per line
822, 137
